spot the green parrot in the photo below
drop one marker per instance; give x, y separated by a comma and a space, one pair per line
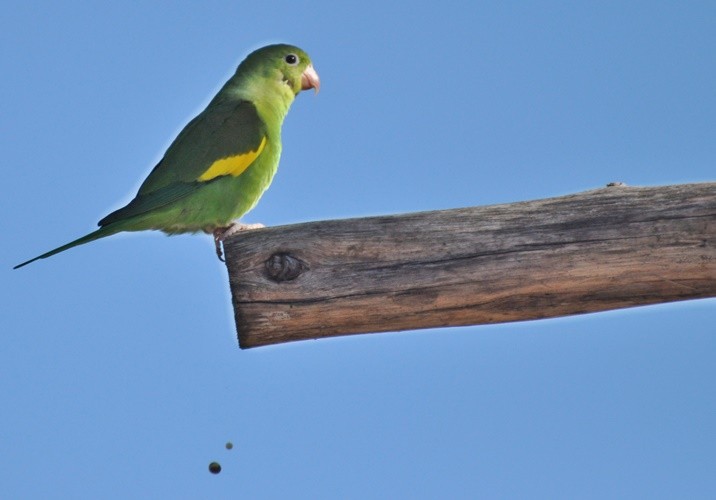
223, 160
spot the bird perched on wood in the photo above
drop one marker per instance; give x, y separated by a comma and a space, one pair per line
220, 164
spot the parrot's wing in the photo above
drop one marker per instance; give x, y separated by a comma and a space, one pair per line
224, 139
143, 204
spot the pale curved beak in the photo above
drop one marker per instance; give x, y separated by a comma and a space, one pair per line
310, 80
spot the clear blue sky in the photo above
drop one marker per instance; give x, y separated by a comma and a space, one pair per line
120, 375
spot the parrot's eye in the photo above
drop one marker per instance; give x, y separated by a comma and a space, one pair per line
291, 59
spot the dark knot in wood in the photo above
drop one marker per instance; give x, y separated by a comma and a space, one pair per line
284, 267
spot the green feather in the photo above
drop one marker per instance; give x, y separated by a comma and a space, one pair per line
220, 131
143, 204
100, 233
224, 159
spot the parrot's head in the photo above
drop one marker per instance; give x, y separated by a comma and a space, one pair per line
281, 64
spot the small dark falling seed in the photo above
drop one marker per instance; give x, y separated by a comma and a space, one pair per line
214, 467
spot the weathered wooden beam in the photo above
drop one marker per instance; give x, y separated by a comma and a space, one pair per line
604, 249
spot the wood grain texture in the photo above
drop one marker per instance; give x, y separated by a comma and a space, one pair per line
604, 249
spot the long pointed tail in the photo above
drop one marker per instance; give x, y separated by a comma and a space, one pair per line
100, 233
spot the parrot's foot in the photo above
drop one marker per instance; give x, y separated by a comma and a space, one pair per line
221, 233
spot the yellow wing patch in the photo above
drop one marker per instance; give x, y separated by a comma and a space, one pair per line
233, 165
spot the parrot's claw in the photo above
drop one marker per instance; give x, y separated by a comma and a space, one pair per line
217, 244
237, 227
221, 233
